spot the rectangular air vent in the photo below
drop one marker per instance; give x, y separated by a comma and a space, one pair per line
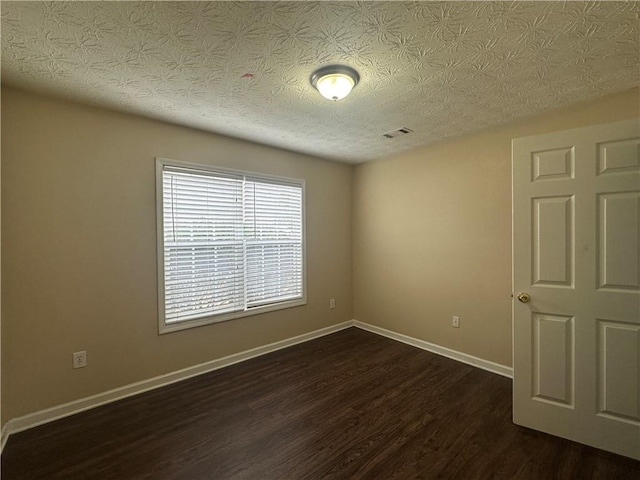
397, 133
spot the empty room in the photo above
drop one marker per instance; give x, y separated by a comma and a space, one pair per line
320, 240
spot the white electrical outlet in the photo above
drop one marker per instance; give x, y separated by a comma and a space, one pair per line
455, 322
79, 359
332, 303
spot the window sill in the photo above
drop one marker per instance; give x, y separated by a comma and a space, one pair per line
199, 322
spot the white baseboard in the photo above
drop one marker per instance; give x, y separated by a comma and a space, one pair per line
444, 351
31, 420
4, 436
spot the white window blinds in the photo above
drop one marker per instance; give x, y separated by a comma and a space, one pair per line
273, 242
230, 243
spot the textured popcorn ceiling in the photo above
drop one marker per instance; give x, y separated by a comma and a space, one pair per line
242, 69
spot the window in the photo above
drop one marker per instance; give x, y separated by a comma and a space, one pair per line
230, 244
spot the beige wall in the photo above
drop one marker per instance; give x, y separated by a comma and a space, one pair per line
431, 239
79, 254
432, 233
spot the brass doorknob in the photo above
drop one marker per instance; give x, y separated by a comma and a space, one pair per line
524, 297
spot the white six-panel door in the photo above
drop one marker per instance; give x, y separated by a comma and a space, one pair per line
576, 245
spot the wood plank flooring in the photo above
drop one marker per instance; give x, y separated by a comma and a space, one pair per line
352, 405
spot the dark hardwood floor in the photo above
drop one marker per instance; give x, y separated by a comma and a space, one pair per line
352, 405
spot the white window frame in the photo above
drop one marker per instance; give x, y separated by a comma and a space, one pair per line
163, 327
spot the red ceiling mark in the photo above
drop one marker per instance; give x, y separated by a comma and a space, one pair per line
247, 75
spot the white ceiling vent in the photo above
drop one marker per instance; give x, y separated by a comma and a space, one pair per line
397, 133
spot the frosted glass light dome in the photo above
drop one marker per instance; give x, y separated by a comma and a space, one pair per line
335, 82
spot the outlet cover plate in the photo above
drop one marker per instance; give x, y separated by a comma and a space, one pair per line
80, 359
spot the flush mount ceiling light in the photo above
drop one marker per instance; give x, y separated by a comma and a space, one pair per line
335, 81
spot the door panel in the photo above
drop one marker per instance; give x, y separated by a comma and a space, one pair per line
619, 376
618, 238
552, 165
576, 243
553, 358
553, 241
619, 157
